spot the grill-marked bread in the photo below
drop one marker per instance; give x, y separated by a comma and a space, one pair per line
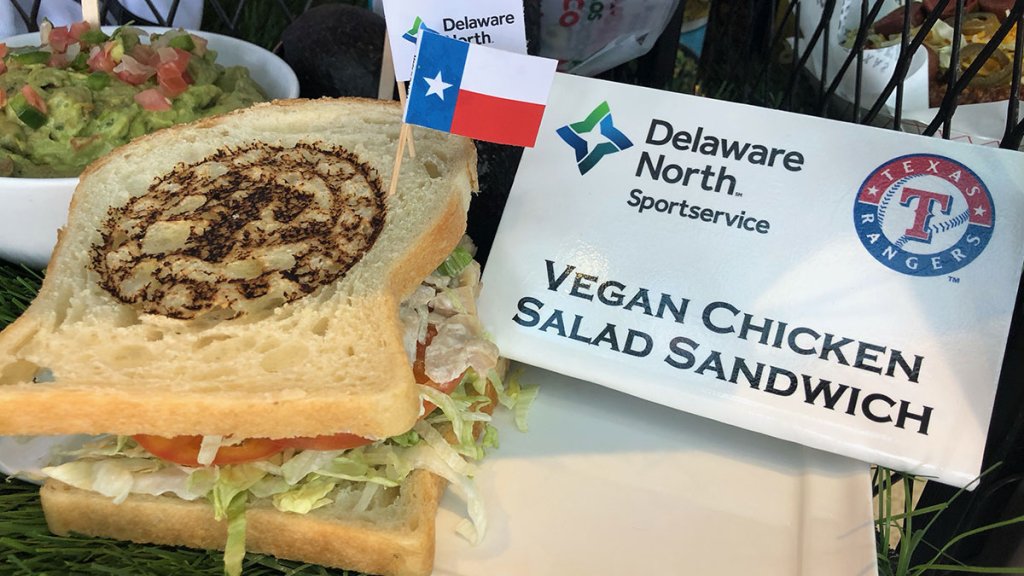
167, 310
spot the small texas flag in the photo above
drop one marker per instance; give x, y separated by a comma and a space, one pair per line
479, 92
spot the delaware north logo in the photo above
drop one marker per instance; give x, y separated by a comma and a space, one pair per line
924, 215
413, 33
589, 146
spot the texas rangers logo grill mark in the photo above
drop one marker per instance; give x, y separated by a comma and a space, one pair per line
924, 215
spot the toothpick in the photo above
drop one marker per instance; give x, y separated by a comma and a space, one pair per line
402, 138
405, 127
91, 12
385, 88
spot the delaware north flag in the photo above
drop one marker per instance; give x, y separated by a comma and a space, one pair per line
478, 92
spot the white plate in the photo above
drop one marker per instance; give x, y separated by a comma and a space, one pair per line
605, 483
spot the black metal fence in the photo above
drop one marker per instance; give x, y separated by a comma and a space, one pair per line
760, 52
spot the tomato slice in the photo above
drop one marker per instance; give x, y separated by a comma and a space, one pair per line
60, 37
184, 450
101, 58
131, 70
171, 79
175, 58
145, 54
171, 85
151, 99
33, 97
76, 29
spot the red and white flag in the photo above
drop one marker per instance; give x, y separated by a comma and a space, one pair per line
479, 92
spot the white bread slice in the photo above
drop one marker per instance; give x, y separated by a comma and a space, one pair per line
325, 362
395, 537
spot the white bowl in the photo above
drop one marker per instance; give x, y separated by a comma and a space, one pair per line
32, 209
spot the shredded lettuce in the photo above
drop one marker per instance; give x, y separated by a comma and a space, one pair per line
234, 547
366, 496
232, 481
524, 399
455, 263
305, 463
307, 496
208, 449
229, 496
489, 439
113, 478
109, 446
458, 412
514, 397
354, 467
269, 485
410, 438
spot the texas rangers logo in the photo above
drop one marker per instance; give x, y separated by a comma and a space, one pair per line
924, 215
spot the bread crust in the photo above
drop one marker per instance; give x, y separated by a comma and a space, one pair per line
329, 362
401, 546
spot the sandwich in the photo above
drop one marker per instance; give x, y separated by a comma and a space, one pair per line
276, 354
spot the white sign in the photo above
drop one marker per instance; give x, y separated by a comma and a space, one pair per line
840, 286
494, 23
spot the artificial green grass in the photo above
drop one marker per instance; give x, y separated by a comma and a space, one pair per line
18, 285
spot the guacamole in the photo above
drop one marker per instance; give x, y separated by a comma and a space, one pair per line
65, 106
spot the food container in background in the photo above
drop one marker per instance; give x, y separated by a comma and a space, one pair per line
980, 117
35, 208
588, 37
695, 20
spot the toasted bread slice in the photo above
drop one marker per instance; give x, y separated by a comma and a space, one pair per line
395, 536
240, 276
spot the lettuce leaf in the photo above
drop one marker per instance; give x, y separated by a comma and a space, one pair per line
234, 547
307, 496
455, 263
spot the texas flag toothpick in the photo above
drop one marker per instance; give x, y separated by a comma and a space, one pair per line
479, 92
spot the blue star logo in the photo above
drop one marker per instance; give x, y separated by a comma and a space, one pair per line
600, 118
